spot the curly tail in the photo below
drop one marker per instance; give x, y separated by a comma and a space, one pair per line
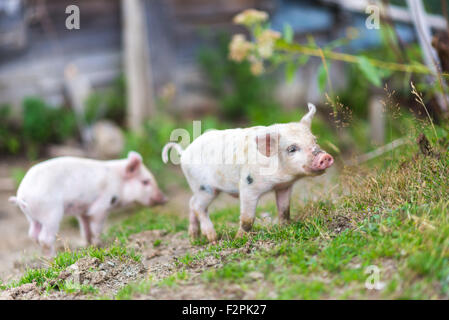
18, 202
167, 147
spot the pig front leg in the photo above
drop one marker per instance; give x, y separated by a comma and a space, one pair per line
248, 205
96, 223
283, 204
97, 214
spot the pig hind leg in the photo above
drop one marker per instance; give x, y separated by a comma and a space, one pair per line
84, 224
194, 224
198, 207
47, 235
34, 229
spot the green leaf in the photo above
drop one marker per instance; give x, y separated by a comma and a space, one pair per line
369, 71
276, 59
290, 71
311, 41
322, 77
302, 60
288, 33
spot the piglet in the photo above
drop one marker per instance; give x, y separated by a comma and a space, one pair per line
248, 163
85, 188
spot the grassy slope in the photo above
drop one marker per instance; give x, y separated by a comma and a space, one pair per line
393, 216
395, 219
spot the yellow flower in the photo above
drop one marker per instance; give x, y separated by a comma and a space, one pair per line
250, 17
265, 42
352, 33
256, 67
239, 48
168, 92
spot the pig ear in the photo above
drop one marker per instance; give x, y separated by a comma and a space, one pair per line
134, 162
267, 143
307, 119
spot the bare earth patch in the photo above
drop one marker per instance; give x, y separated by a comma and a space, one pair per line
106, 278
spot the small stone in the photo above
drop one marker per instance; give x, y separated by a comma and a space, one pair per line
108, 140
265, 215
255, 275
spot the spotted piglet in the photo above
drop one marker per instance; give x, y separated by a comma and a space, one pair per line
85, 188
248, 163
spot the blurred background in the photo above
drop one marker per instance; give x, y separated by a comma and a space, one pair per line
132, 71
135, 70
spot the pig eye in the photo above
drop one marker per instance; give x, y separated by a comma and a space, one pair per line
293, 148
146, 182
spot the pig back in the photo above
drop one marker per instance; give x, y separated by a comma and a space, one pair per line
67, 179
216, 158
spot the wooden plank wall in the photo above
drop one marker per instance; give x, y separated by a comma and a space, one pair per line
173, 31
39, 69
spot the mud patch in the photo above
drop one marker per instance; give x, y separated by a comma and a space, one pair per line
28, 291
163, 255
341, 223
106, 278
161, 250
200, 291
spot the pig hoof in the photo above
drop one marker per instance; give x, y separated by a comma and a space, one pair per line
97, 243
212, 240
284, 222
48, 252
212, 237
194, 233
194, 236
240, 234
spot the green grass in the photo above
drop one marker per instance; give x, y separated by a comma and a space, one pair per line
145, 219
141, 287
47, 278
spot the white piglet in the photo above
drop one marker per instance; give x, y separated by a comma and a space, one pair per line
248, 163
85, 188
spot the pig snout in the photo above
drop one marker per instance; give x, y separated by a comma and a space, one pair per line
322, 161
158, 198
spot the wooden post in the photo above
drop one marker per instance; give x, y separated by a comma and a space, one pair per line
424, 33
78, 89
137, 64
377, 120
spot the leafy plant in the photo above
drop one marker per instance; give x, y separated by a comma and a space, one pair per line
107, 104
17, 175
43, 124
241, 94
9, 132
